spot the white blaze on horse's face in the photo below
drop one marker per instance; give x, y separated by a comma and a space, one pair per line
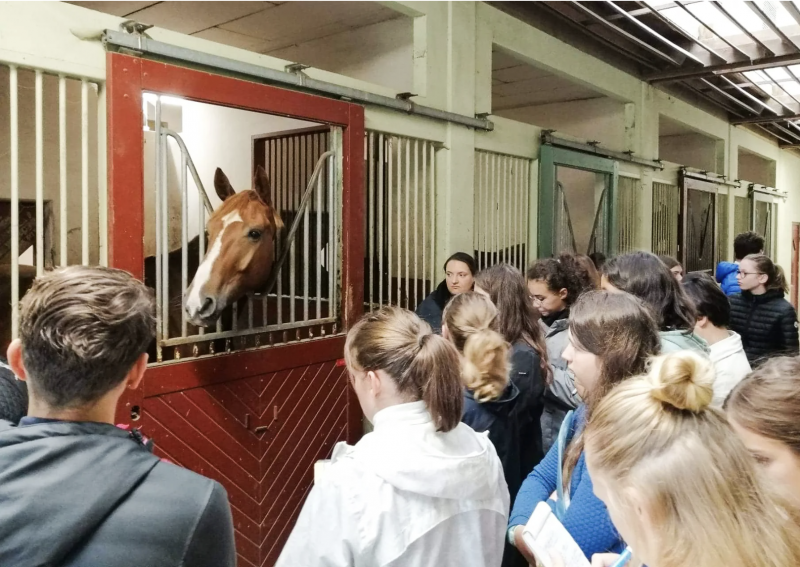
241, 234
196, 301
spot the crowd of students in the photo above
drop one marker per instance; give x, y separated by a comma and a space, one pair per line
648, 409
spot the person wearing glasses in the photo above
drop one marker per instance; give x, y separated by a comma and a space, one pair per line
760, 313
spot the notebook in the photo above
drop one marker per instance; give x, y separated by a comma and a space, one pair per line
544, 534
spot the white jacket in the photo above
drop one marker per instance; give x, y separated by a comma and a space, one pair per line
730, 364
405, 495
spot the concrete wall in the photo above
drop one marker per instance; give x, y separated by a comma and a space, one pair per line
756, 169
693, 150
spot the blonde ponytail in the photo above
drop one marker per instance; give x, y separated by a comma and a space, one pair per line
469, 319
485, 367
659, 447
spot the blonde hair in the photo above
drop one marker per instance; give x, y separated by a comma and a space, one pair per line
424, 366
470, 318
657, 437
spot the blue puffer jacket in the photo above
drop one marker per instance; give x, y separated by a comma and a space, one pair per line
726, 276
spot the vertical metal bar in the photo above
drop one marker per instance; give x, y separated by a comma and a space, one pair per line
306, 257
433, 218
318, 253
380, 218
416, 219
184, 237
290, 165
39, 248
164, 234
504, 197
389, 218
406, 234
85, 171
102, 175
201, 236
424, 153
484, 158
157, 199
399, 217
14, 142
280, 156
332, 228
370, 153
62, 168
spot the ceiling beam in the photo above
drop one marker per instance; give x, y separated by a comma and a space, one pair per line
713, 70
765, 119
756, 9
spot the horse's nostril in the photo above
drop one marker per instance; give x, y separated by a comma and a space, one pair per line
209, 305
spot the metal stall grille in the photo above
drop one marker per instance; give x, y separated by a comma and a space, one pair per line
666, 215
501, 209
302, 297
764, 219
723, 227
628, 206
741, 215
401, 220
52, 186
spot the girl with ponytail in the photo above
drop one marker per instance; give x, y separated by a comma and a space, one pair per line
489, 396
760, 313
680, 486
419, 462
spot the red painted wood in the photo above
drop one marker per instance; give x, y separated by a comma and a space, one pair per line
202, 414
125, 182
224, 91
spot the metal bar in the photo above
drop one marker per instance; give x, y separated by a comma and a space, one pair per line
730, 97
62, 168
157, 200
335, 145
744, 30
765, 119
380, 218
184, 238
793, 11
85, 172
485, 194
653, 33
407, 238
747, 94
785, 131
165, 241
39, 247
494, 210
201, 236
192, 169
630, 37
416, 220
306, 266
424, 155
770, 24
389, 217
548, 138
156, 49
433, 217
14, 151
292, 189
318, 253
246, 332
399, 216
369, 142
778, 84
504, 200
722, 38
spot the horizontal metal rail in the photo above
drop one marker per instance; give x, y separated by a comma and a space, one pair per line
146, 46
245, 332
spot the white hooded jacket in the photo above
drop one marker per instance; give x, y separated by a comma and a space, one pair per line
730, 365
405, 495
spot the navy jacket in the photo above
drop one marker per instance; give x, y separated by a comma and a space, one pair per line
526, 374
432, 307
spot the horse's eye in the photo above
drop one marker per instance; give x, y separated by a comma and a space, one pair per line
254, 234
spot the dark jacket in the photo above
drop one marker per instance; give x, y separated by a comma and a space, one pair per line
497, 417
526, 374
726, 277
91, 495
767, 324
13, 395
432, 307
560, 396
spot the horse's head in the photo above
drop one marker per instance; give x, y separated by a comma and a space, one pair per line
241, 249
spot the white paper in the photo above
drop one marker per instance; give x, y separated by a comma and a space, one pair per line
544, 534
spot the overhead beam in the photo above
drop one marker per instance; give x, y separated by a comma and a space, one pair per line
673, 75
770, 24
765, 119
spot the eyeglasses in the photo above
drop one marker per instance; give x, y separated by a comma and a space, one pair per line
742, 274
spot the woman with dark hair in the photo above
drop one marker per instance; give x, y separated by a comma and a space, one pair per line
673, 265
518, 324
554, 285
459, 270
760, 313
611, 338
642, 274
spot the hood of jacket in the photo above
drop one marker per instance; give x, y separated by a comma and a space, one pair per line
406, 451
501, 406
60, 480
725, 269
672, 341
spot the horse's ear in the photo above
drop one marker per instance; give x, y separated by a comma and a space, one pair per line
222, 185
262, 187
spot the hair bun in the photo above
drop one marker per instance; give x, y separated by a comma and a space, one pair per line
684, 380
